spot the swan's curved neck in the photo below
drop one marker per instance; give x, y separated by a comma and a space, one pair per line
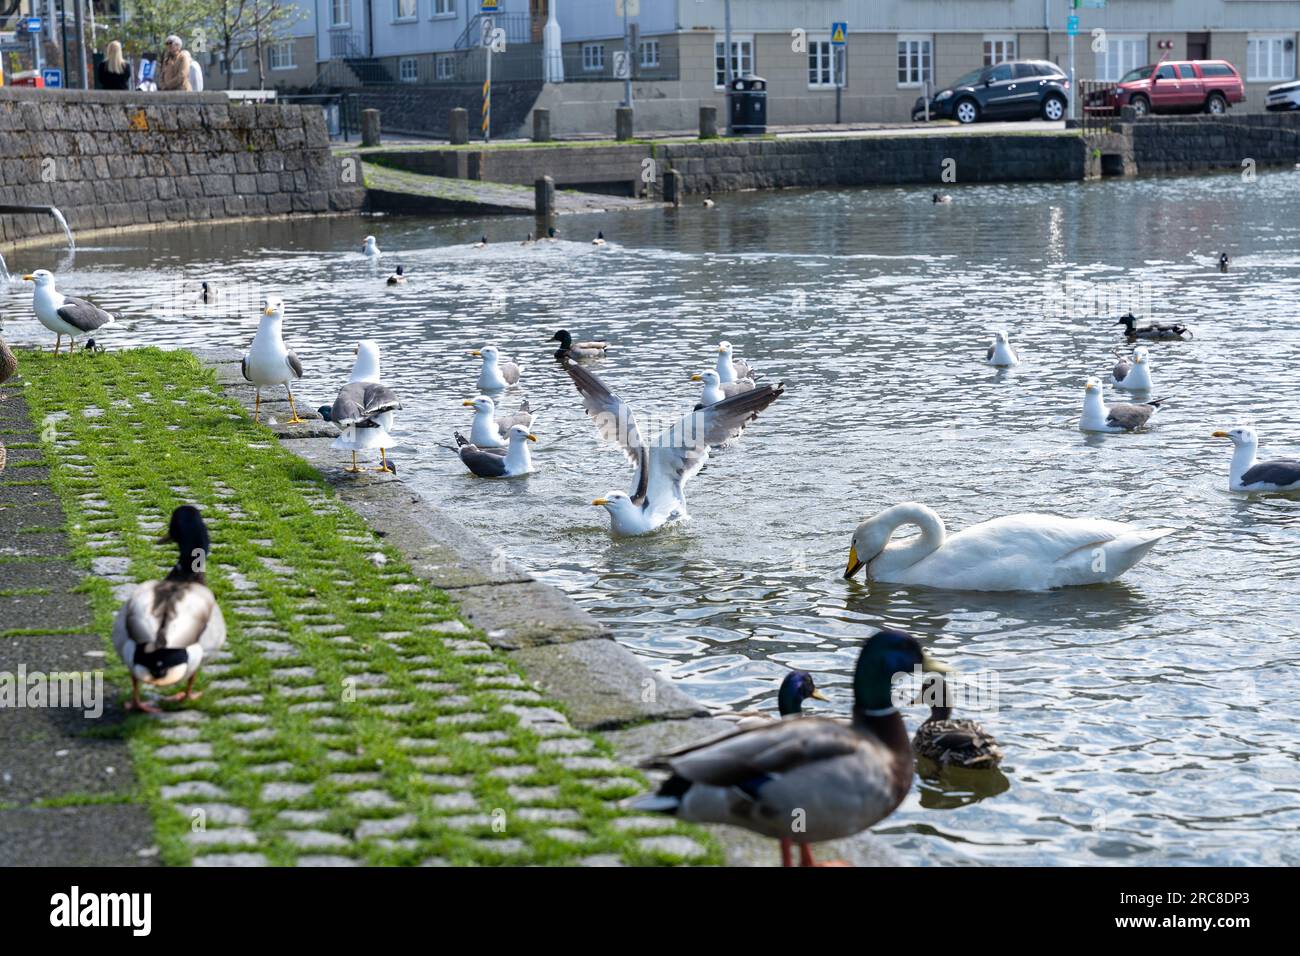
931, 539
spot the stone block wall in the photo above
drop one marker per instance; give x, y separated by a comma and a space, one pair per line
725, 166
109, 160
424, 110
1178, 144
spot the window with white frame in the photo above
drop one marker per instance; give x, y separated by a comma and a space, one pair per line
408, 69
239, 64
742, 58
821, 63
999, 48
445, 68
404, 9
444, 8
915, 60
280, 55
1121, 54
1270, 57
339, 13
593, 57
650, 53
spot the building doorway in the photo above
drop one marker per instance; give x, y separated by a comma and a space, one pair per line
1198, 46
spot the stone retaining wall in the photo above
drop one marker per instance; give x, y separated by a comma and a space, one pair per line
109, 160
727, 165
1179, 144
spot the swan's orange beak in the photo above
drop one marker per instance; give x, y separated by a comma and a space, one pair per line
854, 563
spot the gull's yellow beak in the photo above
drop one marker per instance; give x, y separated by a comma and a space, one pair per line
818, 695
268, 311
930, 664
600, 501
532, 438
29, 278
468, 403
854, 562
476, 353
1220, 435
696, 378
721, 350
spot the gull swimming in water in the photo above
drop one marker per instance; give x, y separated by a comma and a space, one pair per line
369, 248
732, 369
664, 465
364, 410
1020, 552
498, 372
167, 629
64, 314
268, 361
1247, 473
489, 463
490, 430
1000, 352
1097, 417
1134, 376
716, 391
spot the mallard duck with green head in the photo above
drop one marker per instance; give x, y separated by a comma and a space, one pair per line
809, 780
796, 687
948, 742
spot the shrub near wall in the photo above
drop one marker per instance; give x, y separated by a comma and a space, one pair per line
109, 160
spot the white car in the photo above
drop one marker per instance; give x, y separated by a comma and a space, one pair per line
1285, 96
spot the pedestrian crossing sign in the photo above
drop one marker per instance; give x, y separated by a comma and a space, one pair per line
489, 6
839, 34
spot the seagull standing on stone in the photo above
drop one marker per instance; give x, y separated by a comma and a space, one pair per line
268, 361
364, 410
63, 314
664, 464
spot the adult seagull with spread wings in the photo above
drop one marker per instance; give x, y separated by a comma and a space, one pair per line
663, 465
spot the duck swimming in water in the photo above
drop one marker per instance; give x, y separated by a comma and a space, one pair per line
599, 240
941, 198
482, 243
1223, 261
796, 687
948, 742
1174, 331
398, 277
577, 350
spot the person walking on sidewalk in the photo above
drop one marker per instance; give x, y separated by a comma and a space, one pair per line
175, 67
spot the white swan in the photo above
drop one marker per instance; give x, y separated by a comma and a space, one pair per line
1021, 552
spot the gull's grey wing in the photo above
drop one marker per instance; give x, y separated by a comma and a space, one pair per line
82, 314
615, 419
989, 354
359, 402
677, 453
1280, 472
1121, 370
1128, 416
482, 462
295, 365
243, 367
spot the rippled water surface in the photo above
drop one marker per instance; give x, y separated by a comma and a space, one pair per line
1149, 721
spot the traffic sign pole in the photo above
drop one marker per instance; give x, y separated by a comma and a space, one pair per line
840, 50
1072, 28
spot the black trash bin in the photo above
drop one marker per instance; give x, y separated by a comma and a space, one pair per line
747, 100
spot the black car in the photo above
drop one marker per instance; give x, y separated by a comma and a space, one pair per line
1019, 89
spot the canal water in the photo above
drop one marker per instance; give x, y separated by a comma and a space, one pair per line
1152, 721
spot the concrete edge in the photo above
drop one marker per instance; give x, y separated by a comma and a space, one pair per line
563, 649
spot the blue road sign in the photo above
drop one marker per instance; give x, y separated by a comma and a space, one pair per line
839, 34
33, 24
52, 77
1072, 26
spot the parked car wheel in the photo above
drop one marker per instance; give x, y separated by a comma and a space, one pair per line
1216, 104
1053, 109
1141, 105
966, 111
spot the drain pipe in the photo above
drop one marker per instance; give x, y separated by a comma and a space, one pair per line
17, 209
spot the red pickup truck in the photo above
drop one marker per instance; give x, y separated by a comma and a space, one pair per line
1180, 87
